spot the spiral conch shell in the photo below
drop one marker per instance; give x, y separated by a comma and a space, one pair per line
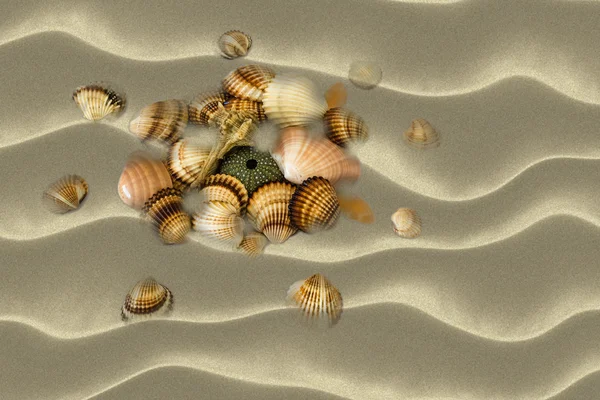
365, 75
234, 44
145, 298
268, 211
186, 160
219, 220
406, 223
66, 194
317, 298
248, 82
227, 189
165, 210
141, 178
421, 135
301, 157
163, 120
205, 105
343, 126
314, 205
97, 101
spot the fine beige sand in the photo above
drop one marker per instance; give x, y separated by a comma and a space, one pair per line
498, 299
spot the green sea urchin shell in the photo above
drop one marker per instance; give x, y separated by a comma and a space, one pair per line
252, 167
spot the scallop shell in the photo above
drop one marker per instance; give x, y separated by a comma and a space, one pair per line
406, 223
66, 194
421, 135
317, 298
300, 157
268, 211
165, 210
186, 161
293, 101
205, 105
163, 120
364, 74
141, 178
97, 101
145, 298
248, 82
227, 189
219, 220
255, 107
253, 244
343, 126
234, 44
314, 205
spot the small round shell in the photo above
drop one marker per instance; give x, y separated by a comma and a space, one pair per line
163, 120
66, 194
165, 210
97, 101
145, 298
141, 178
268, 211
317, 298
186, 161
202, 108
421, 135
226, 188
253, 244
406, 223
248, 82
343, 126
219, 220
255, 107
364, 74
234, 44
314, 205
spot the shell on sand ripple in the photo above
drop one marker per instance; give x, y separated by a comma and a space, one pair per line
253, 244
248, 82
422, 135
314, 205
66, 194
162, 120
97, 101
317, 298
343, 126
268, 211
165, 210
227, 189
406, 223
145, 298
365, 75
202, 108
234, 44
142, 176
219, 220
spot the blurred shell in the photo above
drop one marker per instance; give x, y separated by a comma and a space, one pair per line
97, 101
145, 298
219, 220
336, 95
141, 178
253, 244
165, 210
317, 298
301, 157
314, 205
248, 82
421, 135
226, 188
365, 75
66, 194
163, 120
186, 161
255, 107
406, 223
343, 126
268, 211
293, 101
205, 105
234, 44
356, 209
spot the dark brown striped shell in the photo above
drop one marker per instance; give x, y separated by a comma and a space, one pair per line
317, 298
248, 82
314, 206
343, 126
205, 105
226, 188
98, 100
254, 107
146, 297
234, 44
268, 211
165, 210
66, 194
185, 162
163, 120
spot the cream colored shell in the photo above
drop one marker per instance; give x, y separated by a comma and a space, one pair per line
406, 223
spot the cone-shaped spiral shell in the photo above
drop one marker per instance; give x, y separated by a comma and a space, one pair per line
234, 44
248, 82
219, 220
66, 194
268, 211
317, 298
141, 178
314, 205
365, 75
406, 223
165, 210
255, 107
186, 161
145, 298
205, 105
293, 101
343, 126
163, 120
253, 244
227, 189
421, 135
301, 157
97, 101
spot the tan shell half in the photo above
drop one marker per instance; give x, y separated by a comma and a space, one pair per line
365, 75
234, 44
253, 244
248, 82
227, 189
165, 210
314, 205
254, 107
406, 223
268, 211
343, 126
336, 96
186, 160
219, 220
163, 120
293, 101
145, 298
422, 135
66, 194
142, 176
96, 101
205, 105
300, 157
317, 298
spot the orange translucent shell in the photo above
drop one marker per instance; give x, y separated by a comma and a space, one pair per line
356, 209
336, 95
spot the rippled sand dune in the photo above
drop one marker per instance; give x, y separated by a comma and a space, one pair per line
498, 299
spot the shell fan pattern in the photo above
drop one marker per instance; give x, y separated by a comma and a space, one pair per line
317, 298
66, 194
96, 101
145, 298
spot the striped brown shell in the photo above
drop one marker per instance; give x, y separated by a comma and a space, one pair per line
422, 135
317, 298
163, 120
165, 210
268, 211
185, 161
234, 44
343, 126
145, 298
219, 220
66, 194
314, 205
205, 105
97, 100
226, 188
253, 244
254, 107
248, 82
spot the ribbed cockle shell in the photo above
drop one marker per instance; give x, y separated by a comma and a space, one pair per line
165, 210
202, 108
314, 205
234, 44
268, 211
219, 220
145, 298
317, 298
343, 126
421, 135
163, 120
248, 82
186, 160
226, 188
97, 101
66, 194
406, 223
